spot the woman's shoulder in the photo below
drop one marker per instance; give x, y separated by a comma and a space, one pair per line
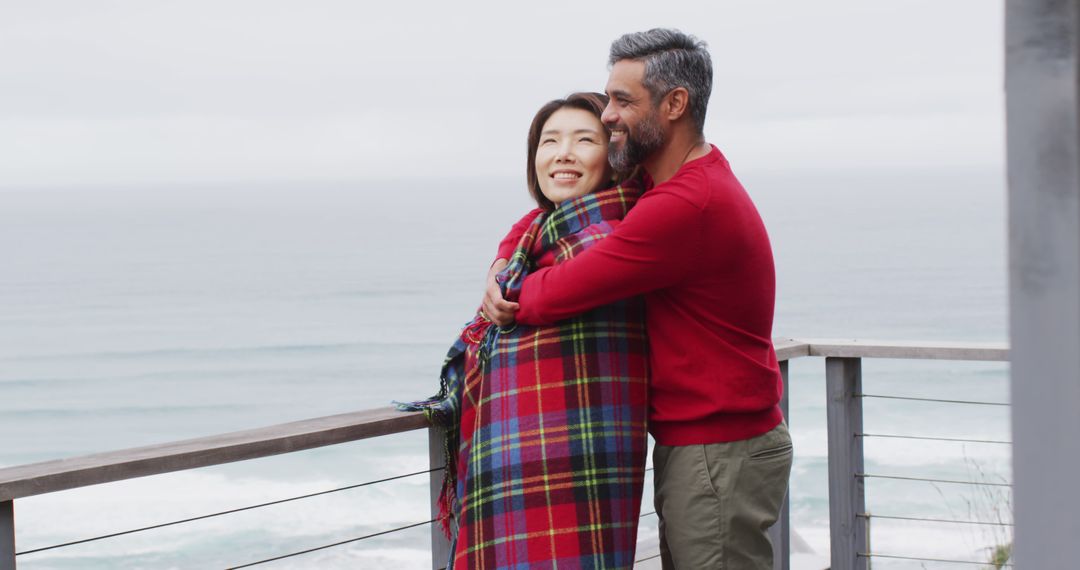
531, 215
506, 246
523, 224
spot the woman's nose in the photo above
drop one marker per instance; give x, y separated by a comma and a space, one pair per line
564, 154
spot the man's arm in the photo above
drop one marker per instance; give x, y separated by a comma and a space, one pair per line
651, 249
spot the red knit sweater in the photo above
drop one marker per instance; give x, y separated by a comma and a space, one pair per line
697, 249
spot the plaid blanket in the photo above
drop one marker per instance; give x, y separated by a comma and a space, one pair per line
546, 425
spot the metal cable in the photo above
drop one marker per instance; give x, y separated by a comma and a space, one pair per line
868, 476
953, 521
374, 535
647, 558
920, 437
218, 514
932, 400
324, 547
977, 563
647, 514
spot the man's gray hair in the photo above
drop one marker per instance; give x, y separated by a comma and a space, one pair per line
672, 59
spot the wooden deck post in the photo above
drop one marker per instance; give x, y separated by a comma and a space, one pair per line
1042, 108
440, 547
847, 497
7, 535
780, 533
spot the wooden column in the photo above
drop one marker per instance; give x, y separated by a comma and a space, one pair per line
1043, 139
780, 533
847, 497
7, 535
440, 547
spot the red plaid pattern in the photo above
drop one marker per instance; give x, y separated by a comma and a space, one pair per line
551, 449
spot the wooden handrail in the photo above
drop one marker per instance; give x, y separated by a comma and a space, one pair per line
922, 350
790, 348
61, 474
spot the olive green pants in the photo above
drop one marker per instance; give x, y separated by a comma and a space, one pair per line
716, 501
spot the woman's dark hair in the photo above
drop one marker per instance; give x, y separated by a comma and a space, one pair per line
586, 101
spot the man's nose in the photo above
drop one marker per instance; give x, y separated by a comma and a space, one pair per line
609, 116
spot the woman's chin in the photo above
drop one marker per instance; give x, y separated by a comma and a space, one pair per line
560, 195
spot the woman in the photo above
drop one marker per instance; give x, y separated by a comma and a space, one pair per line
546, 446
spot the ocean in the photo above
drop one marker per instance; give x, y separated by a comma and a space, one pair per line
139, 315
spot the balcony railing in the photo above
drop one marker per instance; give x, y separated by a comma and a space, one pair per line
849, 521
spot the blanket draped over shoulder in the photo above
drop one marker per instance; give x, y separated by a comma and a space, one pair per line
546, 424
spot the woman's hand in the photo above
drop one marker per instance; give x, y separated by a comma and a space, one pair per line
495, 308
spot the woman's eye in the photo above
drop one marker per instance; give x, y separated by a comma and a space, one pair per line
547, 141
587, 139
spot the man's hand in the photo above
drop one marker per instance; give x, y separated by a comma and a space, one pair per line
495, 308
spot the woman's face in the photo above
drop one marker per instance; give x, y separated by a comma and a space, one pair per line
571, 159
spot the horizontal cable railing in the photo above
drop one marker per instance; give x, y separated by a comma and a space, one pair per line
932, 520
332, 545
934, 400
929, 438
849, 519
53, 476
646, 559
930, 480
941, 560
226, 512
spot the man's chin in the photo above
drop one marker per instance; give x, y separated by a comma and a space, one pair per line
621, 160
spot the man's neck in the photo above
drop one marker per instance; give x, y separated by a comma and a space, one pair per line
680, 149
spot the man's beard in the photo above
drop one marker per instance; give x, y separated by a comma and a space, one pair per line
646, 138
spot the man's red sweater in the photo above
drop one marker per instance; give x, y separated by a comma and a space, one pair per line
697, 249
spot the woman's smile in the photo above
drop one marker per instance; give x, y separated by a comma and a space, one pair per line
566, 176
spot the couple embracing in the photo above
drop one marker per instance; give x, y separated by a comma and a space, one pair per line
613, 311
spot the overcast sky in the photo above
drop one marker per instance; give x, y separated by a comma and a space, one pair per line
139, 93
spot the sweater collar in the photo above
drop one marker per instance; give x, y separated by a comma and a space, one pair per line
712, 156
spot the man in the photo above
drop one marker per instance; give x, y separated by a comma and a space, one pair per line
696, 248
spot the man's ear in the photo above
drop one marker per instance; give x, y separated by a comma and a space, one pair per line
677, 103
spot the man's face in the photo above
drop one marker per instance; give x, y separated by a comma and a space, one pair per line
636, 132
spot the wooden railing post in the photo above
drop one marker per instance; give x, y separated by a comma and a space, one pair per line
7, 535
440, 546
847, 498
780, 533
